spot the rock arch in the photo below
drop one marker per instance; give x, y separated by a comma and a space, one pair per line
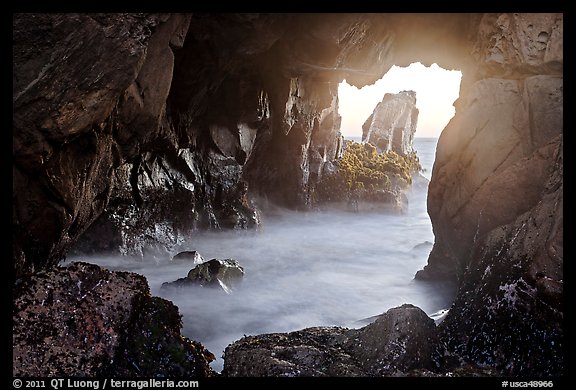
171, 122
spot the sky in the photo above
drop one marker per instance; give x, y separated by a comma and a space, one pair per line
436, 90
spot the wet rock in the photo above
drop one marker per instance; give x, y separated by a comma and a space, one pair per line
188, 256
221, 273
393, 123
65, 154
509, 312
84, 320
401, 340
217, 271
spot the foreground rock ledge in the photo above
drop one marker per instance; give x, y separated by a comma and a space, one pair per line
84, 320
403, 340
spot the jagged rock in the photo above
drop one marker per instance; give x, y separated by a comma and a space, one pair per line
401, 340
84, 320
393, 123
189, 256
222, 273
217, 271
366, 181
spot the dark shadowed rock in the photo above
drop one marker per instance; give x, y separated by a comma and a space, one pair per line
188, 256
86, 321
227, 271
308, 352
401, 340
393, 123
219, 273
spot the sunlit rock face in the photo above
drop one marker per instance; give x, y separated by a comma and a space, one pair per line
495, 199
392, 125
492, 162
509, 312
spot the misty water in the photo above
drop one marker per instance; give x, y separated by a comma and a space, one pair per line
304, 269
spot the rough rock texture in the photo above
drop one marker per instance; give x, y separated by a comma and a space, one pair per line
363, 180
509, 311
401, 340
86, 321
495, 199
222, 273
392, 124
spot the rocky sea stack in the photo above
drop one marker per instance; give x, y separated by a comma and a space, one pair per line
134, 131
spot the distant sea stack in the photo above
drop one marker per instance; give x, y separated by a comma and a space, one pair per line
393, 123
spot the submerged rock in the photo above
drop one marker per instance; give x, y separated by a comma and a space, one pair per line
223, 273
84, 320
189, 256
401, 340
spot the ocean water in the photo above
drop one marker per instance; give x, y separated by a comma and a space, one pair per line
304, 269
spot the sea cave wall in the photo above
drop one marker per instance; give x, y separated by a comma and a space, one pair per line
131, 131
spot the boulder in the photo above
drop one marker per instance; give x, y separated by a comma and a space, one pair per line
188, 256
223, 273
86, 321
400, 341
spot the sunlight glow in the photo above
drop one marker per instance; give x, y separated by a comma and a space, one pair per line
436, 90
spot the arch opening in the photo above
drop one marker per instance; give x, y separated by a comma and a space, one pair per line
436, 90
